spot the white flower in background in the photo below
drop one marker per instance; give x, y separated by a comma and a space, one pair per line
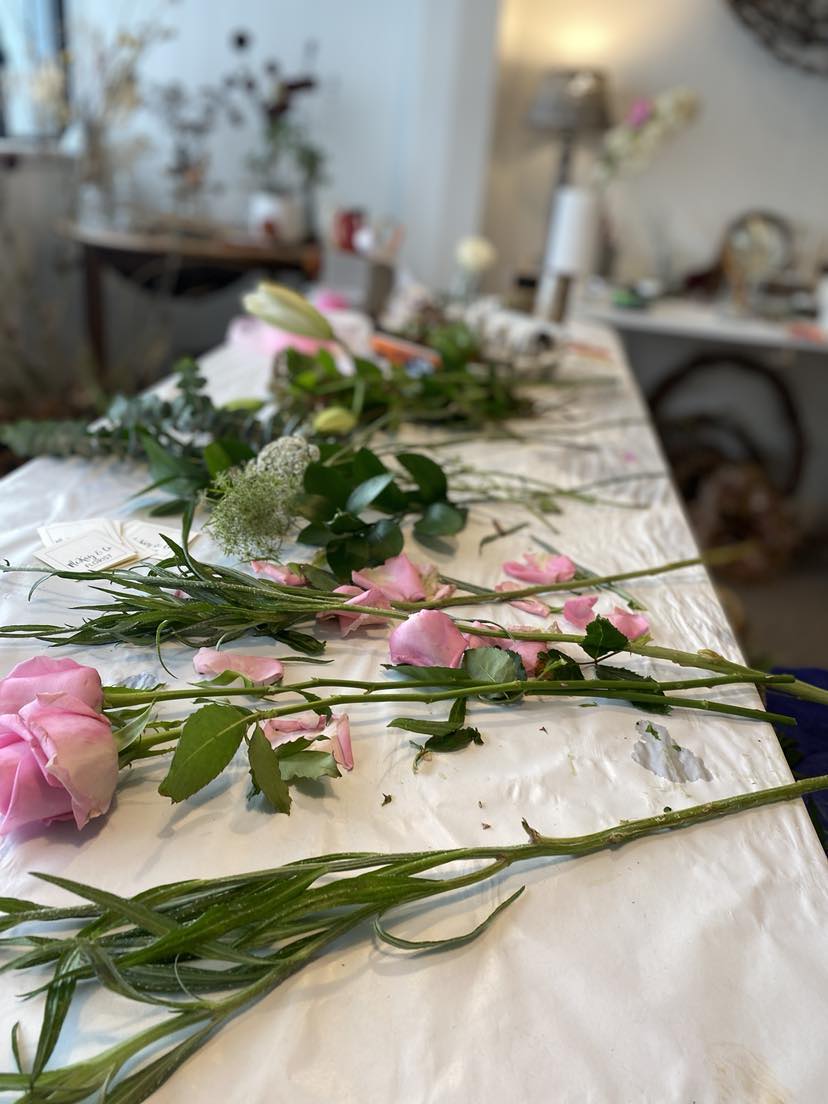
287, 457
628, 147
475, 255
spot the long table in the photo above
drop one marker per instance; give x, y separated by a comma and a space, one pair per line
690, 966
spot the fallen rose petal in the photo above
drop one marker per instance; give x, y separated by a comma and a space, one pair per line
541, 569
281, 730
210, 661
398, 578
427, 639
579, 611
341, 742
350, 622
528, 605
632, 625
51, 676
277, 573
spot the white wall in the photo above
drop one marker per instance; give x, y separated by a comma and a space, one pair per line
760, 140
403, 108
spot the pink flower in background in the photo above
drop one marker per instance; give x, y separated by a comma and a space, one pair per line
580, 611
281, 730
350, 622
277, 573
427, 639
210, 661
260, 336
58, 760
640, 112
541, 569
632, 625
528, 605
50, 676
326, 299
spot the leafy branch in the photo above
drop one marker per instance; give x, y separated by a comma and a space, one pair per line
204, 950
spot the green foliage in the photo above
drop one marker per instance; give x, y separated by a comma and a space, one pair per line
602, 638
209, 740
644, 684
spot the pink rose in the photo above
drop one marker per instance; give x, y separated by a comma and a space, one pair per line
427, 639
541, 569
58, 759
277, 573
210, 661
51, 676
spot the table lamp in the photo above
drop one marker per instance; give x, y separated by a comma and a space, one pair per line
570, 104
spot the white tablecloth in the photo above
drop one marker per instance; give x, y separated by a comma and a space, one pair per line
684, 967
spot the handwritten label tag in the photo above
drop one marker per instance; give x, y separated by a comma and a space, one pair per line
94, 551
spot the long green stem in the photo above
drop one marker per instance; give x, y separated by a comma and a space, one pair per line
319, 913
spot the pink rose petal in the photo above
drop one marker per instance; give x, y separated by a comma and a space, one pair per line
579, 611
350, 622
541, 569
277, 573
632, 625
427, 639
210, 661
281, 730
398, 578
341, 742
528, 605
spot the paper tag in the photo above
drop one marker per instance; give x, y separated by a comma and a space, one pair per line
94, 551
146, 538
59, 531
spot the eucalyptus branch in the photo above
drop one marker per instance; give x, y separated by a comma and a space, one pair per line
182, 945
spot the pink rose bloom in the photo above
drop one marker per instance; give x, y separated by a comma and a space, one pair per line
541, 569
326, 299
350, 622
277, 573
579, 611
640, 112
58, 760
210, 661
632, 625
51, 676
528, 605
427, 639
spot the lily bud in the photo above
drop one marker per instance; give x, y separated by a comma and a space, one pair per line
287, 310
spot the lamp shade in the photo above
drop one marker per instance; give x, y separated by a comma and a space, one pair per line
570, 100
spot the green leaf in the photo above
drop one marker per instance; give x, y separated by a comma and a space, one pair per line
602, 638
429, 476
443, 944
220, 455
431, 676
319, 579
179, 475
131, 731
310, 765
347, 554
423, 728
495, 665
265, 771
208, 742
454, 741
441, 519
385, 539
315, 508
328, 482
648, 685
58, 999
558, 667
366, 492
346, 522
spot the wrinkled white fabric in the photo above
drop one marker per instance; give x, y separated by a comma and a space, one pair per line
691, 966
